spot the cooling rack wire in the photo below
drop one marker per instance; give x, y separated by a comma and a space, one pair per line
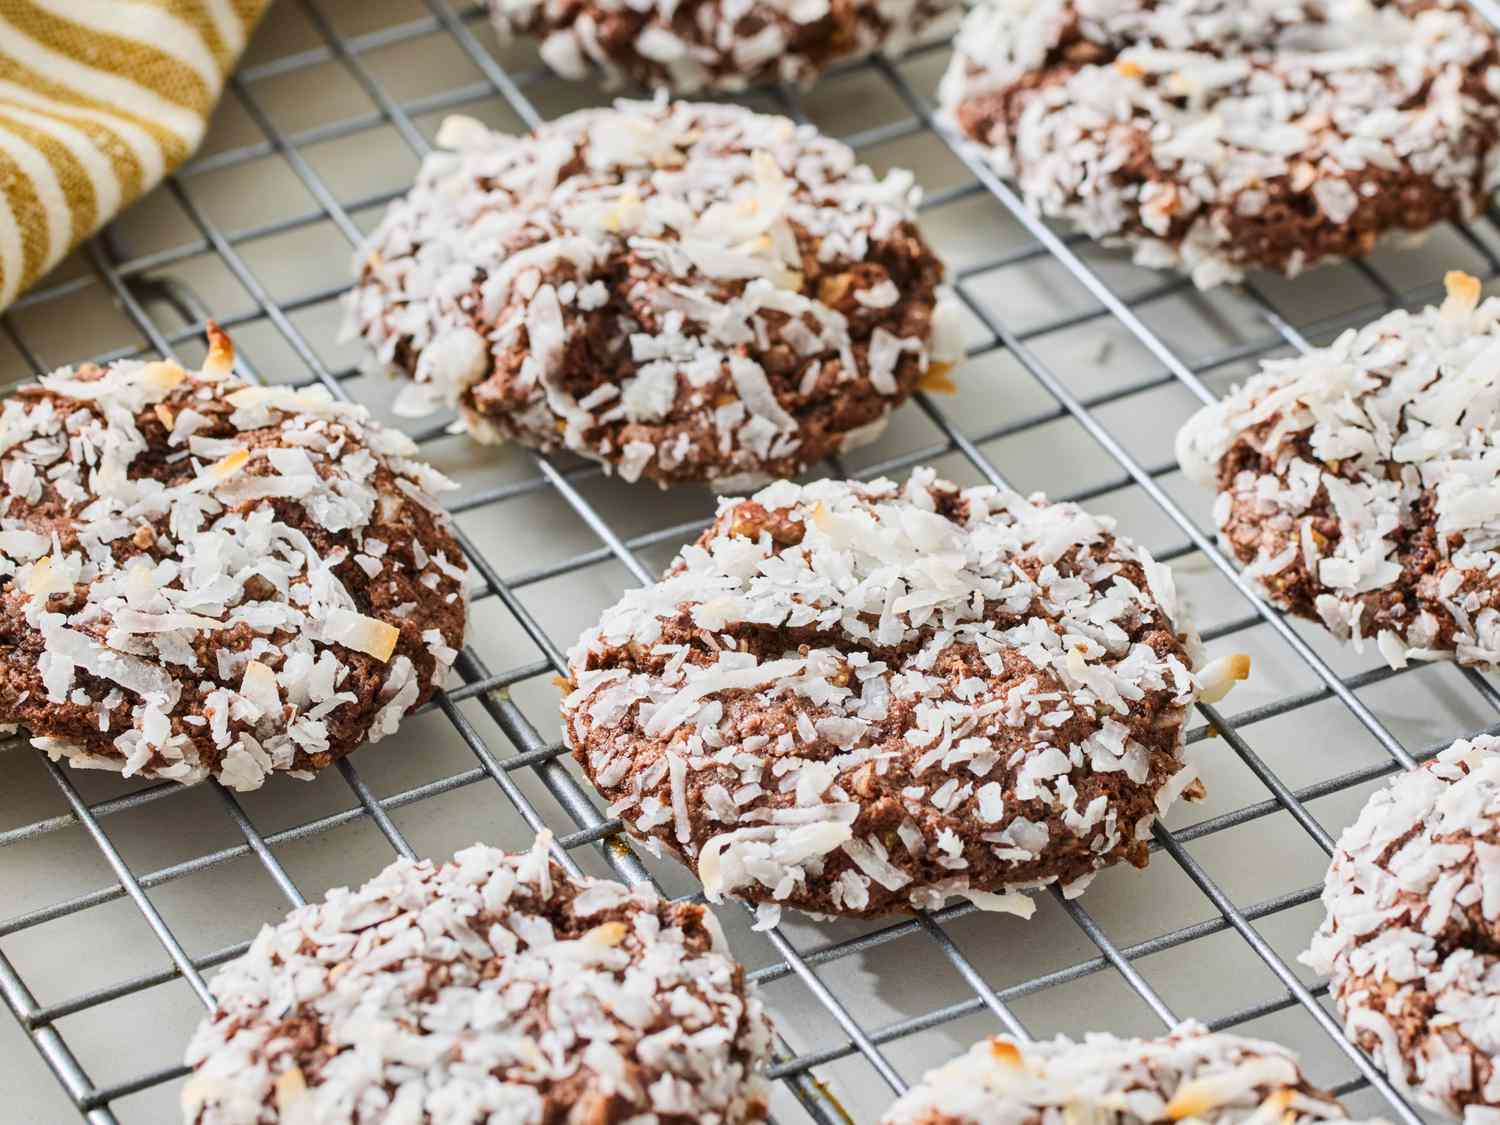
117, 898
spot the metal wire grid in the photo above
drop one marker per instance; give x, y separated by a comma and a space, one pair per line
136, 282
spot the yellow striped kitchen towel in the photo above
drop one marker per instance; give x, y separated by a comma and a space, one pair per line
98, 100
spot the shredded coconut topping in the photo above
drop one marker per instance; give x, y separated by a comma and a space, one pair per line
1190, 1075
671, 289
175, 548
491, 988
693, 45
1361, 482
1409, 943
862, 698
1218, 136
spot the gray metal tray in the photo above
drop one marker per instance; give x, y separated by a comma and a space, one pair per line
118, 898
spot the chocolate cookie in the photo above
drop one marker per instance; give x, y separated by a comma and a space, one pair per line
493, 988
1413, 928
1217, 137
861, 699
1361, 482
692, 45
1192, 1074
204, 578
681, 292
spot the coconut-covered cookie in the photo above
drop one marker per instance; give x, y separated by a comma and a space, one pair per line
1190, 1075
692, 45
679, 291
1413, 928
204, 578
862, 699
1360, 483
492, 988
1217, 137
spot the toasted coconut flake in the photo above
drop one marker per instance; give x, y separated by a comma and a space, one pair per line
1200, 1096
1282, 1098
282, 398
937, 381
1219, 677
259, 687
247, 396
162, 376
624, 213
46, 579
768, 174
226, 466
368, 635
1463, 294
164, 415
609, 934
1193, 1099
1005, 1052
198, 1092
220, 359
290, 1086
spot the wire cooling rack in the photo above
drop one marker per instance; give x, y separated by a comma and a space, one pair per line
117, 898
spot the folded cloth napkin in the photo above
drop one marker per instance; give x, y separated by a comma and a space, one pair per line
98, 100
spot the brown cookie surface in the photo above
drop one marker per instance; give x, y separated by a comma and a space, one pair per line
1191, 1074
863, 698
490, 988
1358, 483
691, 45
1410, 940
205, 578
681, 292
1217, 137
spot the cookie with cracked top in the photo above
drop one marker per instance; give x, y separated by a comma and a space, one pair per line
1217, 137
862, 699
207, 579
492, 988
1409, 942
1358, 482
681, 292
1191, 1074
688, 46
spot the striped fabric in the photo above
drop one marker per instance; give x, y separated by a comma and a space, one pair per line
98, 100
